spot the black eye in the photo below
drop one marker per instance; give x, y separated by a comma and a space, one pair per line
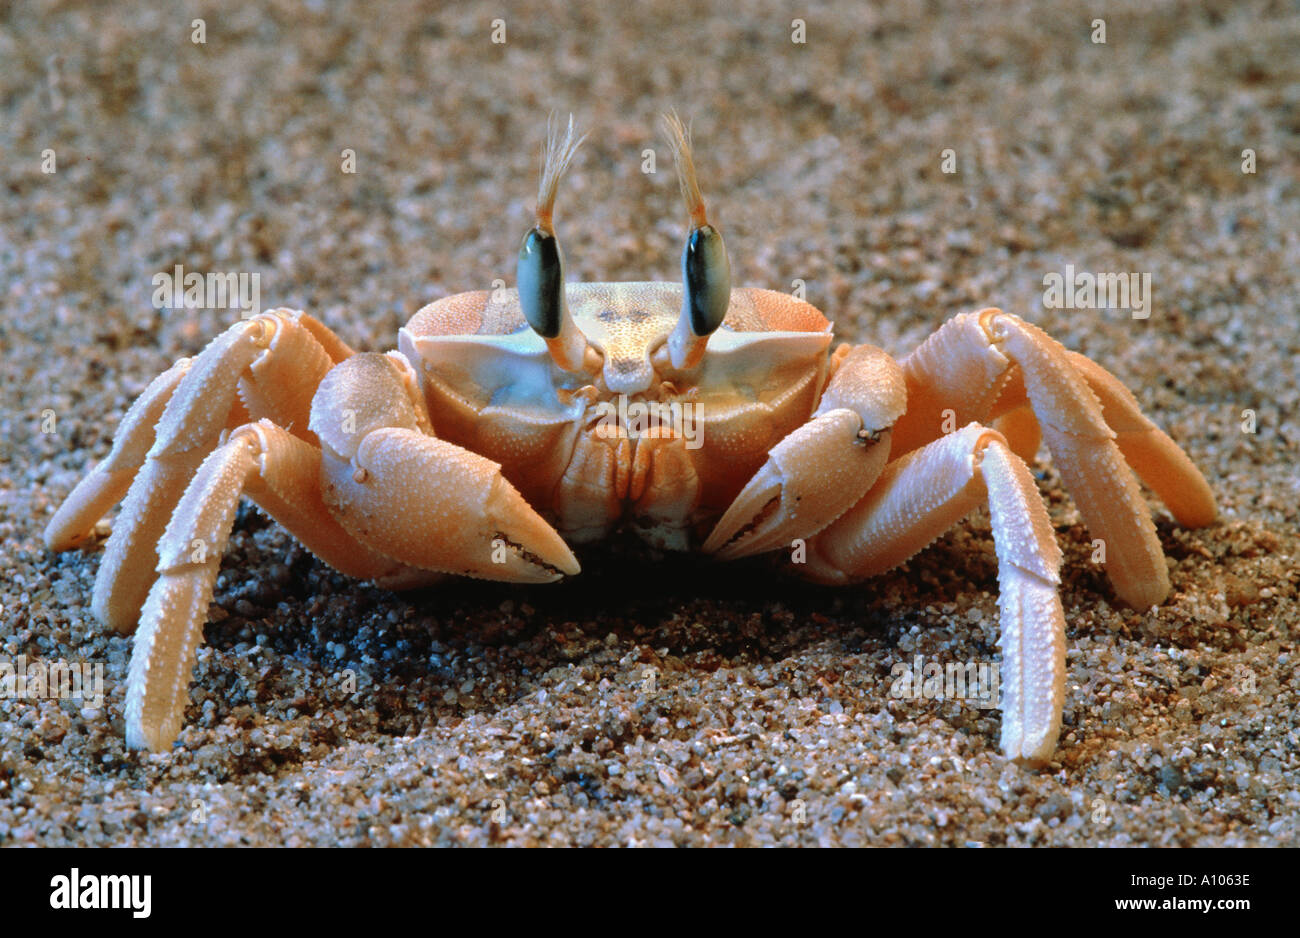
706, 275
540, 276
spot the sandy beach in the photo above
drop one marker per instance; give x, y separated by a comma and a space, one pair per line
661, 698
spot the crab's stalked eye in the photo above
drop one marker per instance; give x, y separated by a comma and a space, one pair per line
706, 279
540, 272
706, 272
540, 275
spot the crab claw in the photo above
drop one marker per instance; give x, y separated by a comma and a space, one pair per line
415, 498
811, 477
436, 506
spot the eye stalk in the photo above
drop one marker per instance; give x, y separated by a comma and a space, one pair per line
706, 272
540, 271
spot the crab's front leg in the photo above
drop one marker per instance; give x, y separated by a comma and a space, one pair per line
919, 497
820, 470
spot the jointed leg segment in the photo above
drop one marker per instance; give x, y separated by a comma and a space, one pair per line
106, 484
1012, 387
917, 499
973, 369
268, 366
385, 500
280, 472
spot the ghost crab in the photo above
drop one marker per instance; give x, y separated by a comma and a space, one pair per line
490, 441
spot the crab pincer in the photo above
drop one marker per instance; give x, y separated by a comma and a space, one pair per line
823, 468
408, 495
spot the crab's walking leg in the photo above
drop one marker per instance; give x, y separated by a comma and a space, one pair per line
268, 366
381, 500
822, 468
970, 366
281, 473
420, 500
107, 483
922, 495
1157, 459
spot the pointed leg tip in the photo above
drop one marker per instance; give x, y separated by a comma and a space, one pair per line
113, 617
59, 541
148, 739
1144, 596
1032, 762
736, 550
1031, 754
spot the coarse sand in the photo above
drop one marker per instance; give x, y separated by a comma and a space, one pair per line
661, 699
